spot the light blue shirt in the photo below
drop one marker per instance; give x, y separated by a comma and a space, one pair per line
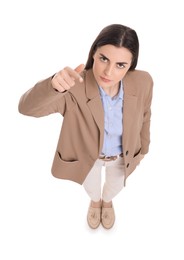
113, 125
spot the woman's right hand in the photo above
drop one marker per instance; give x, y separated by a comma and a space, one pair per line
65, 78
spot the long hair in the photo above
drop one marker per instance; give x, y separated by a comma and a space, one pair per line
119, 36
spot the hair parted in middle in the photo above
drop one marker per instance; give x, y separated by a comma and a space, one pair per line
119, 36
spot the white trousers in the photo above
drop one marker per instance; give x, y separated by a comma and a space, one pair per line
113, 180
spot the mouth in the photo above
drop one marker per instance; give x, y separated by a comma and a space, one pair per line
105, 80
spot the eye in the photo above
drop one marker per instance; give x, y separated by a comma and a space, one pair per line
121, 65
103, 59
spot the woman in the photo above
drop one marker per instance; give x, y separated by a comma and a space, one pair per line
106, 118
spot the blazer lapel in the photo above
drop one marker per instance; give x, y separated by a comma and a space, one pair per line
94, 103
129, 106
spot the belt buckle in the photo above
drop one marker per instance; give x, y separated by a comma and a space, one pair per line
104, 157
107, 158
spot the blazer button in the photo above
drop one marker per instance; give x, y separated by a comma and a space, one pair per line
126, 153
127, 165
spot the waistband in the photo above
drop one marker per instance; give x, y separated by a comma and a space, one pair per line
109, 158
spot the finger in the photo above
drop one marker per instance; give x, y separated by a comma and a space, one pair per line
75, 73
59, 83
63, 84
59, 87
63, 75
79, 69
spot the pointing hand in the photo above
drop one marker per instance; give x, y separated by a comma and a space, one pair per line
66, 78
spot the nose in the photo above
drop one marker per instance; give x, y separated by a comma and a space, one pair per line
108, 70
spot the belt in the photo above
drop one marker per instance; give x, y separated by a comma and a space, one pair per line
110, 158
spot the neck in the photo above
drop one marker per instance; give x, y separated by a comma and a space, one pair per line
112, 91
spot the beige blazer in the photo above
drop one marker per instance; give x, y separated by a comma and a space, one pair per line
82, 132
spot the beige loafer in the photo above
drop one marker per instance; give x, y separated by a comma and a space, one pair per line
94, 217
108, 217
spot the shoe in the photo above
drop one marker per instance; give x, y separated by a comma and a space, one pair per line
108, 217
93, 217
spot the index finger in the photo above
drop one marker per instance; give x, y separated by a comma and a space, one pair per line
74, 74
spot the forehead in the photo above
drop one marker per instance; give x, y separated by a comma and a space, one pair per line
113, 53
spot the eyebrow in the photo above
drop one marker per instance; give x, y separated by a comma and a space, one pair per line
120, 62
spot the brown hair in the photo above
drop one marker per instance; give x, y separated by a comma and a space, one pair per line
119, 36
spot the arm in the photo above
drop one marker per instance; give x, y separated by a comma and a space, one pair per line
48, 96
41, 100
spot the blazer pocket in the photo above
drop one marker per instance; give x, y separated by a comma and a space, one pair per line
70, 170
139, 151
66, 161
136, 158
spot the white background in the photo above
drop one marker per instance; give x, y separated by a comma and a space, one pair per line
45, 218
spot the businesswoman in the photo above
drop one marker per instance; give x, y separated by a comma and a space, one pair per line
106, 109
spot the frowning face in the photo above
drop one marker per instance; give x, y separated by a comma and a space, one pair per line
110, 65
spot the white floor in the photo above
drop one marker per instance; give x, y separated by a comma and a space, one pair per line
45, 218
42, 216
